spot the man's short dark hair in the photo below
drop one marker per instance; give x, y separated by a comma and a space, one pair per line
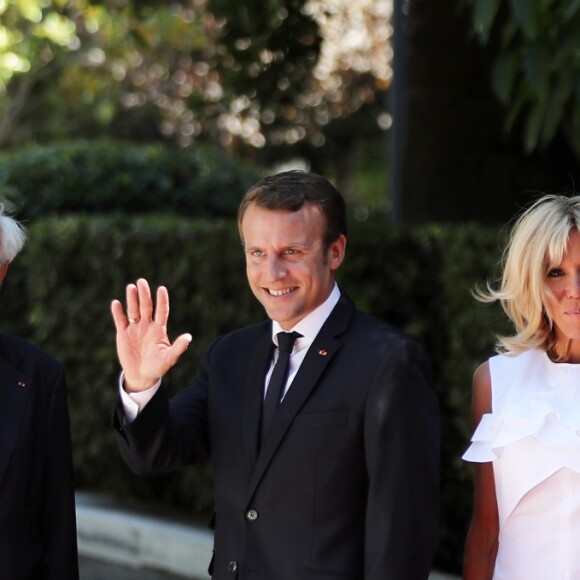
290, 190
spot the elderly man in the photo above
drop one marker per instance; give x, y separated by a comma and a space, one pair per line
37, 507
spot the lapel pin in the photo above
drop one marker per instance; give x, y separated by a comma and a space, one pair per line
322, 352
21, 384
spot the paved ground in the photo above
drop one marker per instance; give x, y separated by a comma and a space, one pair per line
91, 569
116, 543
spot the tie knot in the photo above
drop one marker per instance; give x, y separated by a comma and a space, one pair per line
286, 341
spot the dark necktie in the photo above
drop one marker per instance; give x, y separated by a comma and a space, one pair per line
278, 378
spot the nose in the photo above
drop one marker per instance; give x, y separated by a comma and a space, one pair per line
574, 287
276, 270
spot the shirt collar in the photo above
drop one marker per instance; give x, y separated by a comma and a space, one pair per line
311, 324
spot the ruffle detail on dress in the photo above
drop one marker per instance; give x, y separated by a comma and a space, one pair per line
494, 433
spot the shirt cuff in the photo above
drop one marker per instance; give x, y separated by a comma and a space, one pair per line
133, 403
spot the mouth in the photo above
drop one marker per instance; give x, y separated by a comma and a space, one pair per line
282, 292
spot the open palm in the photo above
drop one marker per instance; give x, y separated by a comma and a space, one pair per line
143, 346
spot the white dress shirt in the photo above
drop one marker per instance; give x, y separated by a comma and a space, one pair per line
308, 327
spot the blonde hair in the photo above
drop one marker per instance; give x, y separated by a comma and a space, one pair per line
537, 244
12, 237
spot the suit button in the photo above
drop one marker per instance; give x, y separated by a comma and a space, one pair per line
233, 567
252, 515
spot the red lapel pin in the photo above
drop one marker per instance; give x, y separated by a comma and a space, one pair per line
21, 384
322, 352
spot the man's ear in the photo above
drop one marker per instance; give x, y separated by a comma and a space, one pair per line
336, 252
3, 270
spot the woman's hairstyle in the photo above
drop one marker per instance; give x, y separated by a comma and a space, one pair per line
537, 244
12, 237
290, 190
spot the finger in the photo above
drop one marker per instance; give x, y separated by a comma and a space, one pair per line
179, 347
162, 306
145, 300
132, 298
119, 317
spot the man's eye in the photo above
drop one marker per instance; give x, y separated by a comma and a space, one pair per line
256, 253
292, 251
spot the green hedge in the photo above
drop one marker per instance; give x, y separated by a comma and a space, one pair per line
59, 290
108, 176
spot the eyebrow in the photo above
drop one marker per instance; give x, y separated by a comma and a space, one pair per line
283, 247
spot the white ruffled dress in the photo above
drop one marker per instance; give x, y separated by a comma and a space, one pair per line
532, 436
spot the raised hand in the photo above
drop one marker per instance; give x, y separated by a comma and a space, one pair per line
144, 349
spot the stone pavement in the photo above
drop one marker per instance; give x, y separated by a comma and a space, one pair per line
116, 543
91, 569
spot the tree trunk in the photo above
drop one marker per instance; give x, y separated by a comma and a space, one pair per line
458, 162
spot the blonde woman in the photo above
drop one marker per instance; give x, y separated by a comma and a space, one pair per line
526, 408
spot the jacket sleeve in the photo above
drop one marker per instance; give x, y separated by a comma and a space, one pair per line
402, 442
60, 554
167, 434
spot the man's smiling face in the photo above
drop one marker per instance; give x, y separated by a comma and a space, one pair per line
289, 270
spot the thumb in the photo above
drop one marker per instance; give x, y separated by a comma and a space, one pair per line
179, 346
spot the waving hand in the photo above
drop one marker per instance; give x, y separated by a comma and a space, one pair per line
144, 349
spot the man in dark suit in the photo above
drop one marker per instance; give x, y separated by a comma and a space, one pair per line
339, 479
37, 508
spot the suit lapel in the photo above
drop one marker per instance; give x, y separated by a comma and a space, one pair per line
15, 387
260, 360
318, 357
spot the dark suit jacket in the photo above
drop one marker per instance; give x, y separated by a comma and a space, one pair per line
37, 510
346, 484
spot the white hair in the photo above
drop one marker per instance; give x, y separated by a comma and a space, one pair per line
12, 237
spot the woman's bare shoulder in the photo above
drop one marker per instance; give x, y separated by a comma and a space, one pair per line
481, 402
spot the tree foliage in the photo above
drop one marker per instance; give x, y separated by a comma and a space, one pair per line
245, 76
24, 28
536, 74
107, 58
30, 37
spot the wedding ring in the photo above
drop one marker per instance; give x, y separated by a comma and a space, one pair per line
133, 320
